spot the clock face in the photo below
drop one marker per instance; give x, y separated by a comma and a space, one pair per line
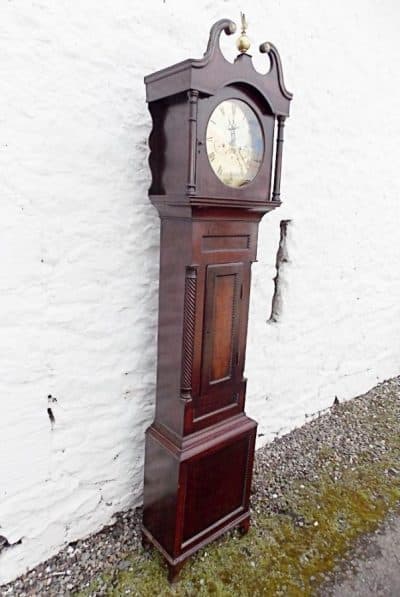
234, 141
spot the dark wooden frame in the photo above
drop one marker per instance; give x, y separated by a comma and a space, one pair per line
200, 447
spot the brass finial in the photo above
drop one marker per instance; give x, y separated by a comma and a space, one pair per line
243, 42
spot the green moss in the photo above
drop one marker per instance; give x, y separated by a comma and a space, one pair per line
278, 556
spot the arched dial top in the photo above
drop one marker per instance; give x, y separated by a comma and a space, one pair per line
234, 142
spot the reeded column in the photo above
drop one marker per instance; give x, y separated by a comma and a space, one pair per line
188, 332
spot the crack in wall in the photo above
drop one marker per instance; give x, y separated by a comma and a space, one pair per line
51, 417
5, 544
282, 257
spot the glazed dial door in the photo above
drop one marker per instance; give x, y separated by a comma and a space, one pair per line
234, 142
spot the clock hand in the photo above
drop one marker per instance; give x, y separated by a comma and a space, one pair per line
243, 158
232, 130
242, 164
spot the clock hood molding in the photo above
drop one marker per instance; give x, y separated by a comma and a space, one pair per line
206, 76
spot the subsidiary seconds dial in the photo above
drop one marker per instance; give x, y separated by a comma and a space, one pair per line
234, 142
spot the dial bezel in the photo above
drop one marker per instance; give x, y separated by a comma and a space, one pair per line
245, 183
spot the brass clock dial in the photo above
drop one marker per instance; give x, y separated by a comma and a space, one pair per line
234, 142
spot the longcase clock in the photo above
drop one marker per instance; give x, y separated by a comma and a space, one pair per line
216, 171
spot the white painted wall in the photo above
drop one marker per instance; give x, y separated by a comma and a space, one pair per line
79, 240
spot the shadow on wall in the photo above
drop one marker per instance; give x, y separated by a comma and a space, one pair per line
282, 257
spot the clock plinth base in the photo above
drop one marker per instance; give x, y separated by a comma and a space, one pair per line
208, 479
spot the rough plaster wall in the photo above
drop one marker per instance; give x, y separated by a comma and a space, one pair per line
79, 241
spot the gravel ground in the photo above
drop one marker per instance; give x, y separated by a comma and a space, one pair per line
78, 564
346, 431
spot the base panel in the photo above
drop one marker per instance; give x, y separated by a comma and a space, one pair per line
196, 492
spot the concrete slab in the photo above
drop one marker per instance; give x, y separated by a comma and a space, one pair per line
372, 568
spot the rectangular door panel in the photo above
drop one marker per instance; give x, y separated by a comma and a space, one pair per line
223, 321
221, 325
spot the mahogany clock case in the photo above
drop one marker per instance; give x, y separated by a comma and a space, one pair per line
200, 447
